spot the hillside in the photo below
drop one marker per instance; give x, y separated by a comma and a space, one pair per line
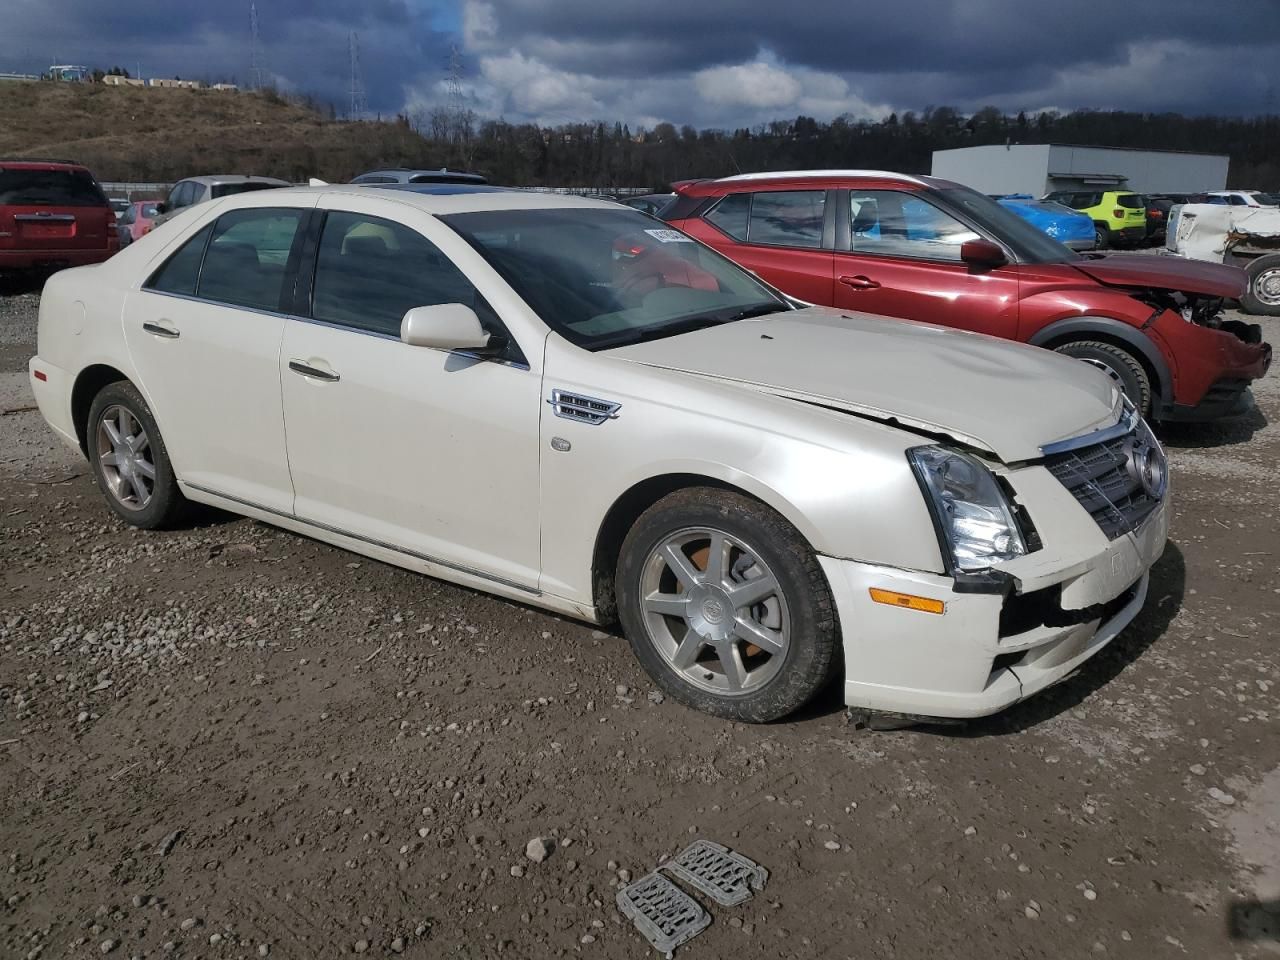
144, 134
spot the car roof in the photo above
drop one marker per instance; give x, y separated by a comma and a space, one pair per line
40, 164
433, 198
788, 177
408, 172
218, 179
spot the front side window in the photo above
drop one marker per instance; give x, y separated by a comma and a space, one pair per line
370, 272
894, 224
248, 254
180, 272
791, 218
607, 278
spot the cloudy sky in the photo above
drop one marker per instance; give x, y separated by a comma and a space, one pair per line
718, 63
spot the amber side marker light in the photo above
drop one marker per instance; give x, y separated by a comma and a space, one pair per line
41, 375
907, 600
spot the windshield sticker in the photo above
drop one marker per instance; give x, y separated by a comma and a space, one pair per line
668, 236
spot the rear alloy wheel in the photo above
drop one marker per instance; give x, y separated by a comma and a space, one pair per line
726, 607
129, 460
1263, 296
1101, 236
1118, 364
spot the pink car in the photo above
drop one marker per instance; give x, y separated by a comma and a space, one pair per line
135, 222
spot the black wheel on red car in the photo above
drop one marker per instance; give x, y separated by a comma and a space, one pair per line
1263, 296
1118, 364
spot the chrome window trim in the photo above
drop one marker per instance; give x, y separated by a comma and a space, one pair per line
320, 323
425, 558
1126, 424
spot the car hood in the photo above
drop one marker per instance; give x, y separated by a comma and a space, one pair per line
1168, 273
1005, 398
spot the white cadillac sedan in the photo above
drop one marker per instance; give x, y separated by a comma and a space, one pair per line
563, 402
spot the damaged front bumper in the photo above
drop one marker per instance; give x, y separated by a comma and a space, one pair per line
986, 651
1214, 368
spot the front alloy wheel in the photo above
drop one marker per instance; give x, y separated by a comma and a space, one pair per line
726, 606
715, 611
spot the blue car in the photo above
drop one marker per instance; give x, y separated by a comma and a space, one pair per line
1065, 225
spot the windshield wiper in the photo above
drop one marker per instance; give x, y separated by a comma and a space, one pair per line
759, 310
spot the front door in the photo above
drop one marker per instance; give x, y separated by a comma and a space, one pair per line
204, 334
427, 451
901, 258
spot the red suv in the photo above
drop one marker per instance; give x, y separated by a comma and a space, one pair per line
53, 214
930, 250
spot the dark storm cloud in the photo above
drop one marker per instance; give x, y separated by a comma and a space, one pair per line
708, 62
304, 42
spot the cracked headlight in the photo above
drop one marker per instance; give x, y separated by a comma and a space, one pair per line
974, 518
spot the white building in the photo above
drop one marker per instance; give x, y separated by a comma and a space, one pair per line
1038, 169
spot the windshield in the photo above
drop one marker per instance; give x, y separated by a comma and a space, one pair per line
1028, 243
606, 278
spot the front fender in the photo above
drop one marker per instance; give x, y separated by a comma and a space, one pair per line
1109, 328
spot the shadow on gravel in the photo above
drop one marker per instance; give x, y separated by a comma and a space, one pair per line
1164, 598
1254, 920
12, 285
1200, 436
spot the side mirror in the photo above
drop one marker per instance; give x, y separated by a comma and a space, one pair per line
162, 207
446, 326
982, 253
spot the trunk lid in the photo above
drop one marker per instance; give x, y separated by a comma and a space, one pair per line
52, 207
1166, 273
1006, 398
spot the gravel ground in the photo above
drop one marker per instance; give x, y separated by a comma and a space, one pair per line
230, 741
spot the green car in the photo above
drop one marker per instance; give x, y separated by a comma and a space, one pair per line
1119, 216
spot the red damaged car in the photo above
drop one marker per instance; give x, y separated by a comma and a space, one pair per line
930, 250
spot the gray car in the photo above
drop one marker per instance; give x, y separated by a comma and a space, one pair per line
194, 190
406, 175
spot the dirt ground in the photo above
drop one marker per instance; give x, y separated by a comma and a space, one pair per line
231, 741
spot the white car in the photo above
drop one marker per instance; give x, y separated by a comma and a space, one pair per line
560, 401
1239, 198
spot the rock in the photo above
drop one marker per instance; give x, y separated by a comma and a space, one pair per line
1090, 894
165, 845
970, 831
189, 923
1221, 796
517, 870
832, 845
106, 946
215, 939
361, 946
1197, 769
539, 848
264, 949
588, 938
397, 945
1032, 913
621, 690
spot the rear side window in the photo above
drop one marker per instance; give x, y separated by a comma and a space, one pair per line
375, 179
180, 272
791, 218
53, 188
370, 272
731, 214
247, 256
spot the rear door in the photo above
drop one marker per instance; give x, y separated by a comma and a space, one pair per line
783, 236
204, 333
52, 209
901, 258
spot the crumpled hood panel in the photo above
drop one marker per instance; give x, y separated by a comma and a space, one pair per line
1166, 273
1004, 397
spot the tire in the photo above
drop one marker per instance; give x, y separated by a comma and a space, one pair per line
796, 615
120, 465
1263, 296
1119, 364
1101, 236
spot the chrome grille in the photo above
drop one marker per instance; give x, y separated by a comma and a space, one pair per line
1107, 479
574, 406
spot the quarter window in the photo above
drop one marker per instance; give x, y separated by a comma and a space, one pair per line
894, 224
247, 256
370, 272
790, 219
180, 272
731, 214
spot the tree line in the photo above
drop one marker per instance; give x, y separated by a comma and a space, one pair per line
605, 155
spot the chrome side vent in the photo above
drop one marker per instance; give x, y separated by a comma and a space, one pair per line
574, 406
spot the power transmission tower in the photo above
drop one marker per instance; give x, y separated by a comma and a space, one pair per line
457, 104
256, 67
359, 103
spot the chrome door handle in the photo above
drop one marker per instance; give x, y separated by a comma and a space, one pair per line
307, 370
859, 282
160, 330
